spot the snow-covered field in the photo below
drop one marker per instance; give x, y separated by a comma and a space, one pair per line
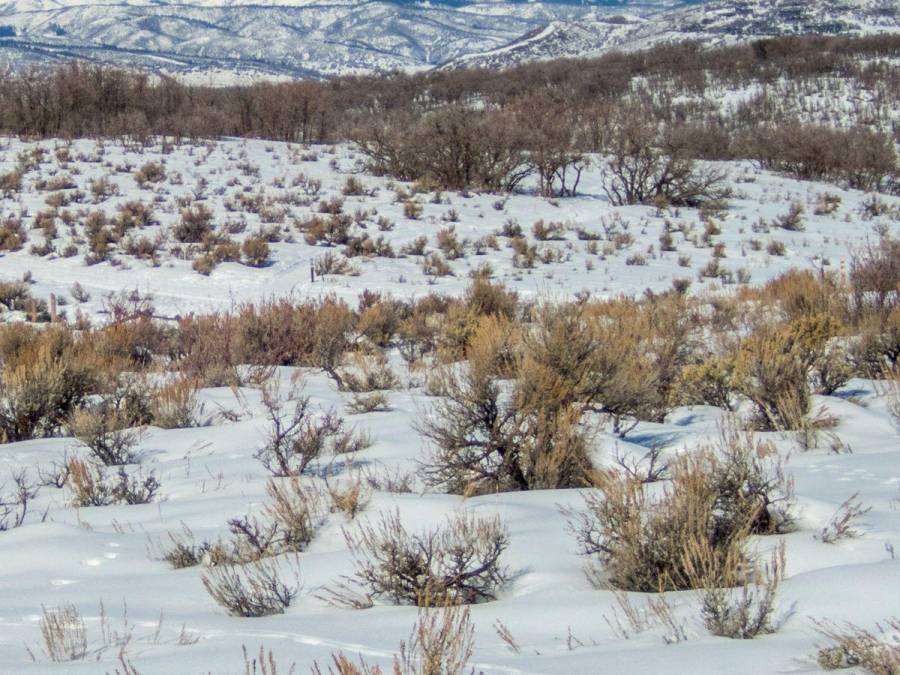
251, 186
165, 620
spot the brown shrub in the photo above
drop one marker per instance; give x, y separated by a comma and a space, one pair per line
255, 589
296, 441
692, 533
195, 225
12, 235
456, 563
773, 368
256, 251
44, 376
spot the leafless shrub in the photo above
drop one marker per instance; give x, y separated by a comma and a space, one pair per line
64, 633
183, 551
457, 563
488, 435
104, 429
434, 265
264, 663
175, 404
793, 219
745, 613
367, 372
656, 612
40, 385
151, 172
194, 226
364, 403
256, 251
254, 589
333, 263
875, 276
91, 486
690, 529
645, 165
12, 233
14, 505
774, 367
350, 497
293, 514
394, 480
876, 652
441, 643
505, 634
649, 468
295, 441
843, 523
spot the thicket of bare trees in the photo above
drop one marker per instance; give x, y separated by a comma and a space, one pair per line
488, 130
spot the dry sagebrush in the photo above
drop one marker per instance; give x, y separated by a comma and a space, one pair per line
455, 563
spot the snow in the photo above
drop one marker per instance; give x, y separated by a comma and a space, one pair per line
209, 474
760, 197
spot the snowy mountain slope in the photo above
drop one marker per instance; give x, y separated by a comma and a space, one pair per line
713, 23
323, 39
311, 38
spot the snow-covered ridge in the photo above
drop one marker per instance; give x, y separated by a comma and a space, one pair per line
713, 23
303, 38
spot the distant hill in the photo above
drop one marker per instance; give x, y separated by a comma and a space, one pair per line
227, 40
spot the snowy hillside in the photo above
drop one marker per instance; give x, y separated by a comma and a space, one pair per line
101, 572
305, 38
712, 23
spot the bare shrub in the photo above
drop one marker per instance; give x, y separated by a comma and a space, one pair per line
485, 440
14, 504
175, 405
745, 613
264, 663
351, 497
773, 369
843, 523
656, 611
12, 234
875, 276
254, 589
151, 172
709, 382
876, 652
296, 511
91, 486
301, 438
363, 403
63, 633
194, 226
793, 219
456, 563
646, 165
441, 643
256, 251
41, 382
693, 528
182, 550
367, 372
331, 337
104, 429
455, 146
133, 214
10, 183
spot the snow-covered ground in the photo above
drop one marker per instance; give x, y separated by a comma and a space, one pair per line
601, 249
561, 623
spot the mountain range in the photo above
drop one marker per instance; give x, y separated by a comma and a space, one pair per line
219, 41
